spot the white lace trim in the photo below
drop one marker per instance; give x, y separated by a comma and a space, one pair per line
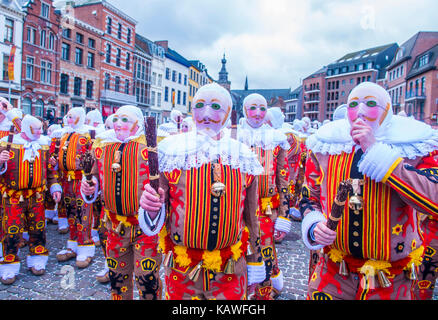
264, 137
190, 150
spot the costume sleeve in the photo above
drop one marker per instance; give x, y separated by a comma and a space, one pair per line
310, 204
250, 218
164, 184
3, 167
52, 176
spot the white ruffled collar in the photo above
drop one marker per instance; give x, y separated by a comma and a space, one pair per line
411, 138
31, 147
264, 137
109, 136
192, 150
5, 125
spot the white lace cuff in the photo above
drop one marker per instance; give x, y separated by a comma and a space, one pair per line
256, 272
309, 220
377, 161
147, 225
283, 224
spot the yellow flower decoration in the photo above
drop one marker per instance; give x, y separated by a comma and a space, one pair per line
124, 289
397, 229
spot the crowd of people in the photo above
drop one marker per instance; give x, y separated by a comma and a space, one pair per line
208, 197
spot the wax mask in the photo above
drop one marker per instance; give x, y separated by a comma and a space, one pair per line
370, 103
32, 127
256, 108
76, 117
125, 125
212, 108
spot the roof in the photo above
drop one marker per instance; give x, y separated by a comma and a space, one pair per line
430, 65
405, 50
81, 3
364, 53
142, 44
268, 94
323, 70
14, 5
175, 56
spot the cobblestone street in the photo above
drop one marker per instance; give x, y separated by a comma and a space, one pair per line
82, 285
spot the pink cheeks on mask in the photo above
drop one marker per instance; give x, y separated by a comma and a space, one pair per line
209, 115
256, 114
367, 110
124, 127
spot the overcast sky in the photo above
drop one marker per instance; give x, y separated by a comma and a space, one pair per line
276, 43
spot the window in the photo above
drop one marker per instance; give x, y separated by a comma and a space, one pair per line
39, 108
128, 37
166, 94
51, 41
43, 38
167, 74
90, 60
159, 99
65, 51
185, 79
79, 38
29, 68
9, 32
128, 61
109, 23
46, 72
118, 56
179, 97
89, 93
108, 54
154, 78
5, 67
27, 106
423, 60
153, 98
119, 31
31, 35
64, 84
127, 86
117, 84
184, 98
66, 33
179, 78
91, 43
107, 81
77, 86
174, 76
160, 80
45, 10
78, 56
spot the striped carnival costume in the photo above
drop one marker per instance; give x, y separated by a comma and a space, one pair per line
271, 147
75, 141
121, 171
23, 181
211, 239
377, 247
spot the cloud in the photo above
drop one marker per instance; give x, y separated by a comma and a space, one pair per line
276, 43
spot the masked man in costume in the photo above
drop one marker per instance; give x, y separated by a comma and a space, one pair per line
23, 180
376, 249
121, 163
75, 142
271, 147
172, 127
209, 191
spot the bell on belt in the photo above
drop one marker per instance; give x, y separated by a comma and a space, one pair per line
168, 260
65, 147
119, 228
249, 250
218, 189
21, 198
383, 280
116, 167
343, 271
196, 271
38, 195
356, 203
229, 267
268, 211
413, 274
5, 195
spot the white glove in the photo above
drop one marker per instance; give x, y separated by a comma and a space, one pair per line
283, 224
256, 272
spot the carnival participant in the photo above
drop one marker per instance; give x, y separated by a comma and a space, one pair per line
94, 119
121, 164
23, 180
75, 142
209, 191
51, 210
271, 147
376, 249
172, 127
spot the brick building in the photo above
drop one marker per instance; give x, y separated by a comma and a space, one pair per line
314, 95
41, 57
401, 66
293, 105
117, 52
79, 66
142, 75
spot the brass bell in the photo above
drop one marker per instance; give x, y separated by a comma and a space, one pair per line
229, 267
21, 198
218, 189
343, 270
383, 280
105, 218
38, 195
413, 274
268, 211
119, 228
5, 195
249, 250
116, 167
356, 203
196, 271
168, 260
65, 148
69, 178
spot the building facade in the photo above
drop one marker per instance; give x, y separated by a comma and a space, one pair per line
142, 75
294, 104
198, 77
79, 80
175, 82
117, 47
157, 90
11, 46
314, 95
41, 58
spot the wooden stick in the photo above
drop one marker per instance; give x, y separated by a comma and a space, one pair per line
151, 140
344, 189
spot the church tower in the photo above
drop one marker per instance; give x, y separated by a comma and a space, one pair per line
223, 75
